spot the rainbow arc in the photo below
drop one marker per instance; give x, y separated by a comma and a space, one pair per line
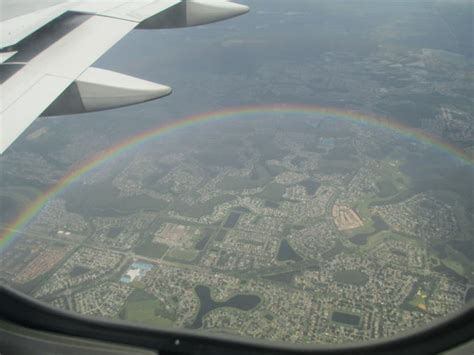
24, 217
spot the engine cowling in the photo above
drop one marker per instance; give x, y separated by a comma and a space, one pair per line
193, 13
100, 89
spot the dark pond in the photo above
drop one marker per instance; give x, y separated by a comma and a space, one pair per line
311, 186
285, 277
203, 241
286, 252
346, 318
242, 209
379, 225
114, 232
78, 270
221, 235
360, 239
297, 161
207, 304
271, 204
232, 220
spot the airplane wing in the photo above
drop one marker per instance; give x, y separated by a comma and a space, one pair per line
45, 56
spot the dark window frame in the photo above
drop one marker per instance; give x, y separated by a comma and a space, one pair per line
23, 310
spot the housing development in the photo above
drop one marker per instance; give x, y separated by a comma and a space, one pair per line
306, 242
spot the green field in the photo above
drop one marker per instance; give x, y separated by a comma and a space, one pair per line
150, 249
329, 167
259, 177
149, 311
454, 265
374, 239
139, 294
459, 257
102, 199
181, 254
199, 209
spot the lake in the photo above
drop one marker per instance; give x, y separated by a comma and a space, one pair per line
244, 302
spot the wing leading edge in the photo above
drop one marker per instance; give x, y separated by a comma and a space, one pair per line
55, 78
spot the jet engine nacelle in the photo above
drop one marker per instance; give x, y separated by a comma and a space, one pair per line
99, 89
193, 13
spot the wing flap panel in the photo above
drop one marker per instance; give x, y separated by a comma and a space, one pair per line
14, 30
4, 56
68, 57
19, 115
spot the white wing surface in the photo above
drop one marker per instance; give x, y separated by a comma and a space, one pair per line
45, 56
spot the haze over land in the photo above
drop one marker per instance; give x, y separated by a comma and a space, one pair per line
292, 226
